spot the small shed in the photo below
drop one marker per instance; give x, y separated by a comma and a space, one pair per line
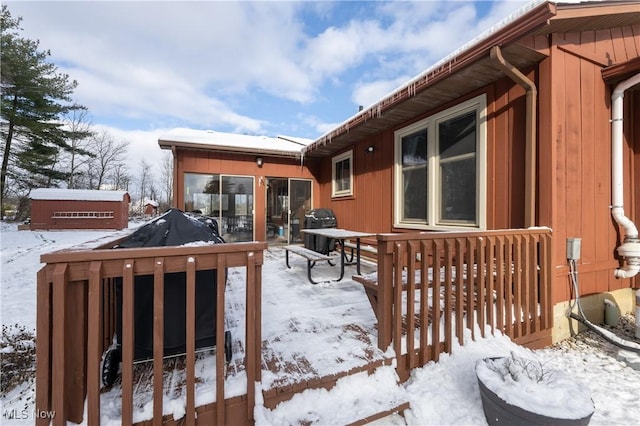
151, 208
53, 208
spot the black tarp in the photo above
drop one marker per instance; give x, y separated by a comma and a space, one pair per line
173, 228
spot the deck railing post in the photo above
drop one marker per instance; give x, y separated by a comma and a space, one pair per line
43, 348
250, 333
385, 293
128, 327
221, 268
158, 339
191, 340
94, 343
59, 343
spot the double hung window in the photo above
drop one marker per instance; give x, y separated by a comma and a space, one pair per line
440, 169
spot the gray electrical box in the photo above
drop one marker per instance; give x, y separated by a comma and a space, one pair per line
573, 248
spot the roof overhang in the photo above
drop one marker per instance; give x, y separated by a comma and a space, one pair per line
165, 144
471, 68
281, 146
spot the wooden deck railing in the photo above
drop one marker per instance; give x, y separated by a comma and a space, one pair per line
498, 280
76, 323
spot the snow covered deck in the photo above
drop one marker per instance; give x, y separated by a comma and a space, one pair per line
287, 335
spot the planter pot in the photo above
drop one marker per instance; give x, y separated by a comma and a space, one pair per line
500, 412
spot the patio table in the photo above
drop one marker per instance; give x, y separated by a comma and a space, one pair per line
341, 235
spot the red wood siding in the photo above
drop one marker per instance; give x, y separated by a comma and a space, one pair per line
574, 158
371, 207
191, 161
575, 155
43, 212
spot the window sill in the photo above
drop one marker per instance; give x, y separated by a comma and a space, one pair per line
343, 197
449, 228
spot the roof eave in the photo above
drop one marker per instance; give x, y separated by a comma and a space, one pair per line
169, 144
532, 20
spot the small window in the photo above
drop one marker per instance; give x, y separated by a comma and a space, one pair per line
342, 175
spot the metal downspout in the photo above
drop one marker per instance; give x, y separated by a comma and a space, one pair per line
530, 138
630, 248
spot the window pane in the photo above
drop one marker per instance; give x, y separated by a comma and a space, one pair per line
414, 176
414, 149
458, 190
457, 136
200, 193
237, 208
343, 175
415, 194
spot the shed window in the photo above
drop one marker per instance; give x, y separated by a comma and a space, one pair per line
440, 169
342, 175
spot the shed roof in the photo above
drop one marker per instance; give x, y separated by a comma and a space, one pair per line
287, 146
76, 194
470, 67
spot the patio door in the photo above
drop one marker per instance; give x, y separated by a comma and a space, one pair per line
288, 200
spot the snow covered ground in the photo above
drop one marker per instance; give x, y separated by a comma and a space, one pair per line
443, 393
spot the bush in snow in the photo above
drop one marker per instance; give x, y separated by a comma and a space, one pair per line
17, 357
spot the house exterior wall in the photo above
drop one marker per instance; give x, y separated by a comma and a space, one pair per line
575, 155
67, 214
574, 158
370, 209
209, 162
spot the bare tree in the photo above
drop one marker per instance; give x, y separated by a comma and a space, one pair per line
78, 155
120, 177
109, 154
166, 180
145, 184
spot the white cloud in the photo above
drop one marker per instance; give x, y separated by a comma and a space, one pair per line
202, 64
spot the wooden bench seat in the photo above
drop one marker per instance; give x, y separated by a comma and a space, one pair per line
370, 284
353, 247
311, 256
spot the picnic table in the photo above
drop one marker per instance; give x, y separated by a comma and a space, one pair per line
341, 235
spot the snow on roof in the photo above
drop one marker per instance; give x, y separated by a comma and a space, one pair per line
76, 194
233, 141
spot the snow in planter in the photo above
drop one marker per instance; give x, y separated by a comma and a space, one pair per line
528, 383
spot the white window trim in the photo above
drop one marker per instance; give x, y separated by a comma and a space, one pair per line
344, 156
479, 104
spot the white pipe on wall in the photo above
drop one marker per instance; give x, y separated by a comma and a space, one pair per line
630, 248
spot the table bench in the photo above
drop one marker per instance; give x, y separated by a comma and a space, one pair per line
311, 256
370, 284
353, 247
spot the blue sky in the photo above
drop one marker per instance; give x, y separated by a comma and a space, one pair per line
268, 67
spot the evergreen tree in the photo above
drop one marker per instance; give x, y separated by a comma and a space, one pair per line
34, 99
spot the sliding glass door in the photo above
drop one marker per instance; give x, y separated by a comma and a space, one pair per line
288, 200
228, 199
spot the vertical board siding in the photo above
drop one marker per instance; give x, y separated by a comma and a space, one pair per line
580, 126
370, 209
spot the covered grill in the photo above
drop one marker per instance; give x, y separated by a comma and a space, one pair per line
316, 219
174, 228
